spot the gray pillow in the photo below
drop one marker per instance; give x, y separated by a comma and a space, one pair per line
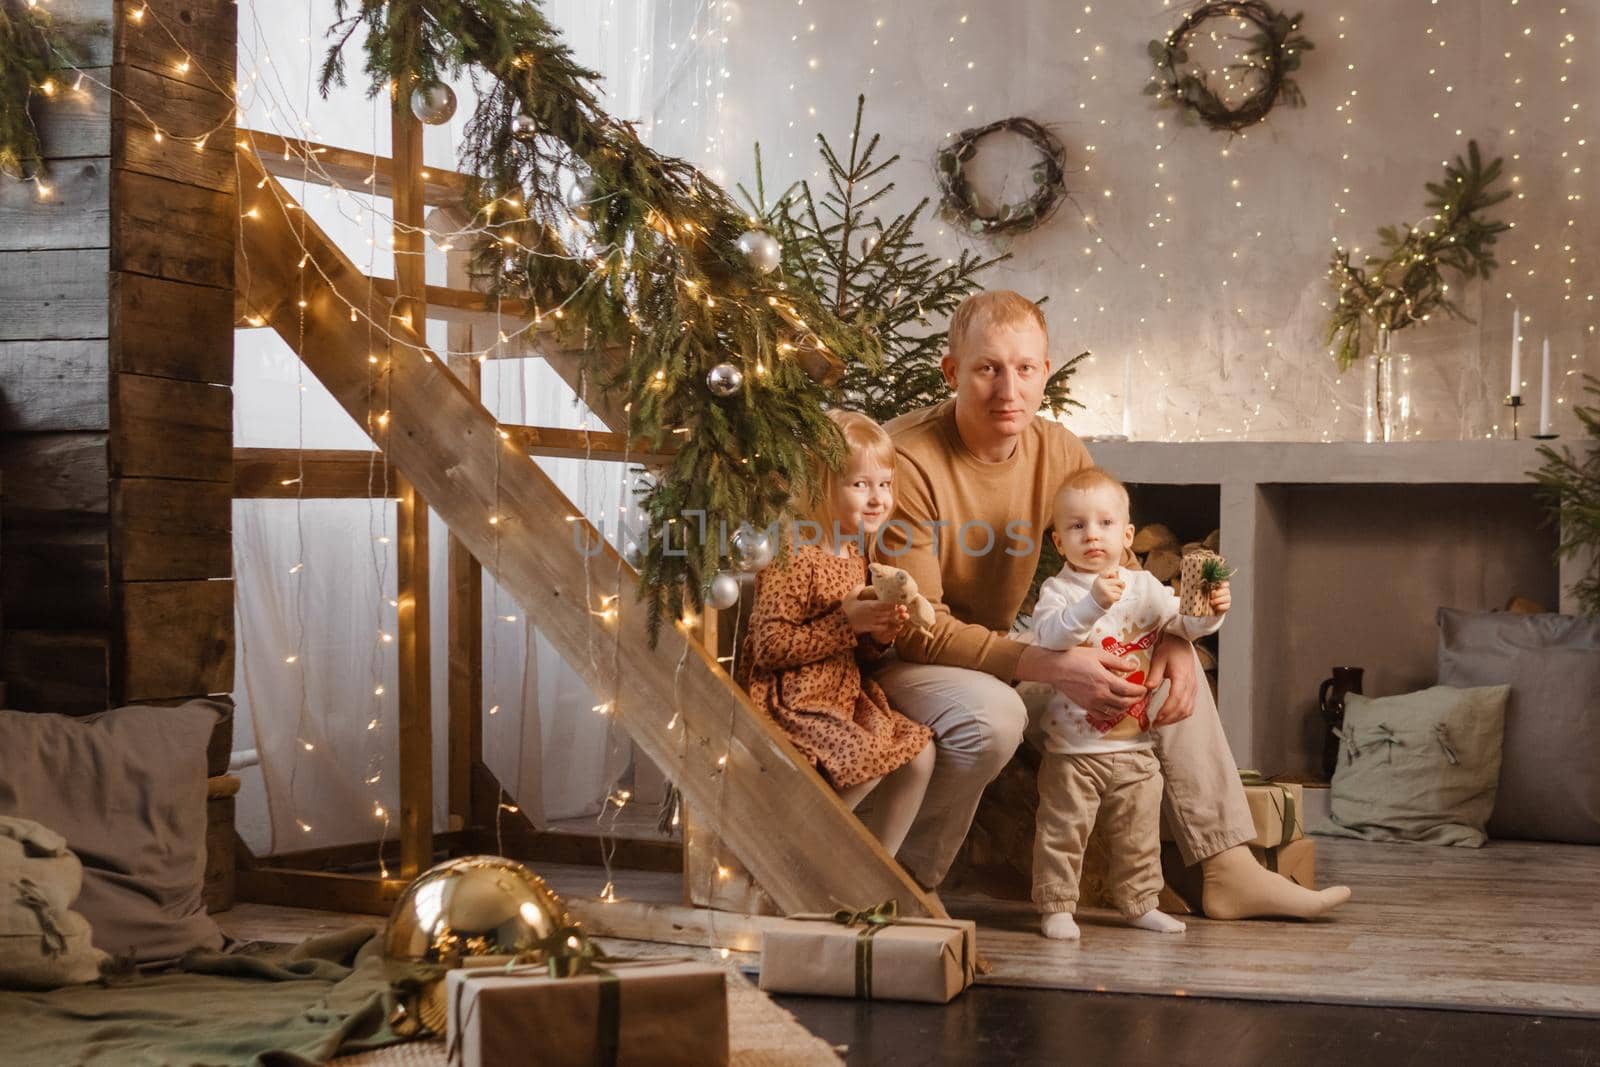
1550, 775
127, 789
1420, 767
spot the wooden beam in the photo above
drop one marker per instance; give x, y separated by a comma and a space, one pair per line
464, 583
286, 157
777, 814
358, 893
314, 474
672, 924
583, 444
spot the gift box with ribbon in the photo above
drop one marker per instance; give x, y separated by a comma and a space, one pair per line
1277, 808
613, 1014
874, 954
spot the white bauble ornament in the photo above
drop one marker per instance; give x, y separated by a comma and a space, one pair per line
633, 555
724, 592
581, 195
523, 128
761, 249
724, 380
433, 103
752, 549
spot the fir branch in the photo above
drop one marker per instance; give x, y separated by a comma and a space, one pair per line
1408, 283
655, 265
1569, 485
893, 288
31, 63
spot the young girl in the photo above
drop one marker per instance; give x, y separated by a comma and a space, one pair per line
810, 632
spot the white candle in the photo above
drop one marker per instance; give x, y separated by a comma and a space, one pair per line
1127, 396
1516, 352
1544, 393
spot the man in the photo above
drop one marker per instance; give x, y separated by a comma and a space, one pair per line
975, 480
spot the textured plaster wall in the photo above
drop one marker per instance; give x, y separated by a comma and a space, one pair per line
1204, 263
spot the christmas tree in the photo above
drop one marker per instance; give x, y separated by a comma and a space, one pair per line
1570, 486
878, 276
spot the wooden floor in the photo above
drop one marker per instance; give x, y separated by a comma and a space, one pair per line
1509, 928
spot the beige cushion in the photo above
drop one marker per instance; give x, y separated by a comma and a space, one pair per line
1550, 775
127, 790
43, 942
1419, 767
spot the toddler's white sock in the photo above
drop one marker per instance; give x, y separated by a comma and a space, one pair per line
1059, 926
1158, 921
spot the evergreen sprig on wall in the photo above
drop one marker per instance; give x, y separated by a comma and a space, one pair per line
878, 276
1570, 485
1408, 283
30, 64
653, 264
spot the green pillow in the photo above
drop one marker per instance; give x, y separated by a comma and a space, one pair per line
1421, 767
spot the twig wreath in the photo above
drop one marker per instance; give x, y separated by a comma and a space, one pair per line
1276, 44
959, 201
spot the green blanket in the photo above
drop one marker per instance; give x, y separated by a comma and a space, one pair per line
277, 1006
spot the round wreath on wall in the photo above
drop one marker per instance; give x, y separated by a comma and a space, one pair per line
960, 203
1275, 47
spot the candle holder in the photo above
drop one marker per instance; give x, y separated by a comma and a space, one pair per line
1545, 436
1515, 404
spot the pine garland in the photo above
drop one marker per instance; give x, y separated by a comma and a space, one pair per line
877, 276
655, 267
1407, 285
30, 63
1570, 487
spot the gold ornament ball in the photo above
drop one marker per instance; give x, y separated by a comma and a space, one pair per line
433, 103
486, 908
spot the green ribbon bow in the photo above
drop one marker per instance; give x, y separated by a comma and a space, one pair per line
873, 920
1286, 808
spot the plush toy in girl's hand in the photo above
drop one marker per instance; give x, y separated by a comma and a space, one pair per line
895, 586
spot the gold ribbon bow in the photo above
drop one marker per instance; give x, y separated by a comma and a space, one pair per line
872, 920
1286, 809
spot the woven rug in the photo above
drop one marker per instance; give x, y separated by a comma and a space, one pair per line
760, 1034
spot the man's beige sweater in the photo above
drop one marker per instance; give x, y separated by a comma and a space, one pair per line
989, 519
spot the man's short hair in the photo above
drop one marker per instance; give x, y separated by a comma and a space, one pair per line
996, 307
1094, 478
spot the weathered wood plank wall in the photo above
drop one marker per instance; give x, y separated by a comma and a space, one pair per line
116, 361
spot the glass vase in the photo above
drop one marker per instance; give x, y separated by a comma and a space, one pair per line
1386, 396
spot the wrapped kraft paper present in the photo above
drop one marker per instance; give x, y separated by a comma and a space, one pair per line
872, 954
643, 1014
1194, 597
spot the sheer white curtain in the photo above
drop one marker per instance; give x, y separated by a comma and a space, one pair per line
315, 682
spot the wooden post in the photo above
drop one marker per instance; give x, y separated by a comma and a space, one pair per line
466, 607
416, 689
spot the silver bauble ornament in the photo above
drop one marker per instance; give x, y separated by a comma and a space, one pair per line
752, 549
433, 103
523, 128
633, 555
761, 249
477, 907
724, 592
724, 380
580, 197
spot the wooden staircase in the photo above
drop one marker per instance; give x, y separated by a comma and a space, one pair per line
732, 764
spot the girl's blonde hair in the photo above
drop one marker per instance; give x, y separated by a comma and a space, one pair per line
861, 436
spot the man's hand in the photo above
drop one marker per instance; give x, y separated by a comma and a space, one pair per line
1107, 588
1174, 659
1089, 677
